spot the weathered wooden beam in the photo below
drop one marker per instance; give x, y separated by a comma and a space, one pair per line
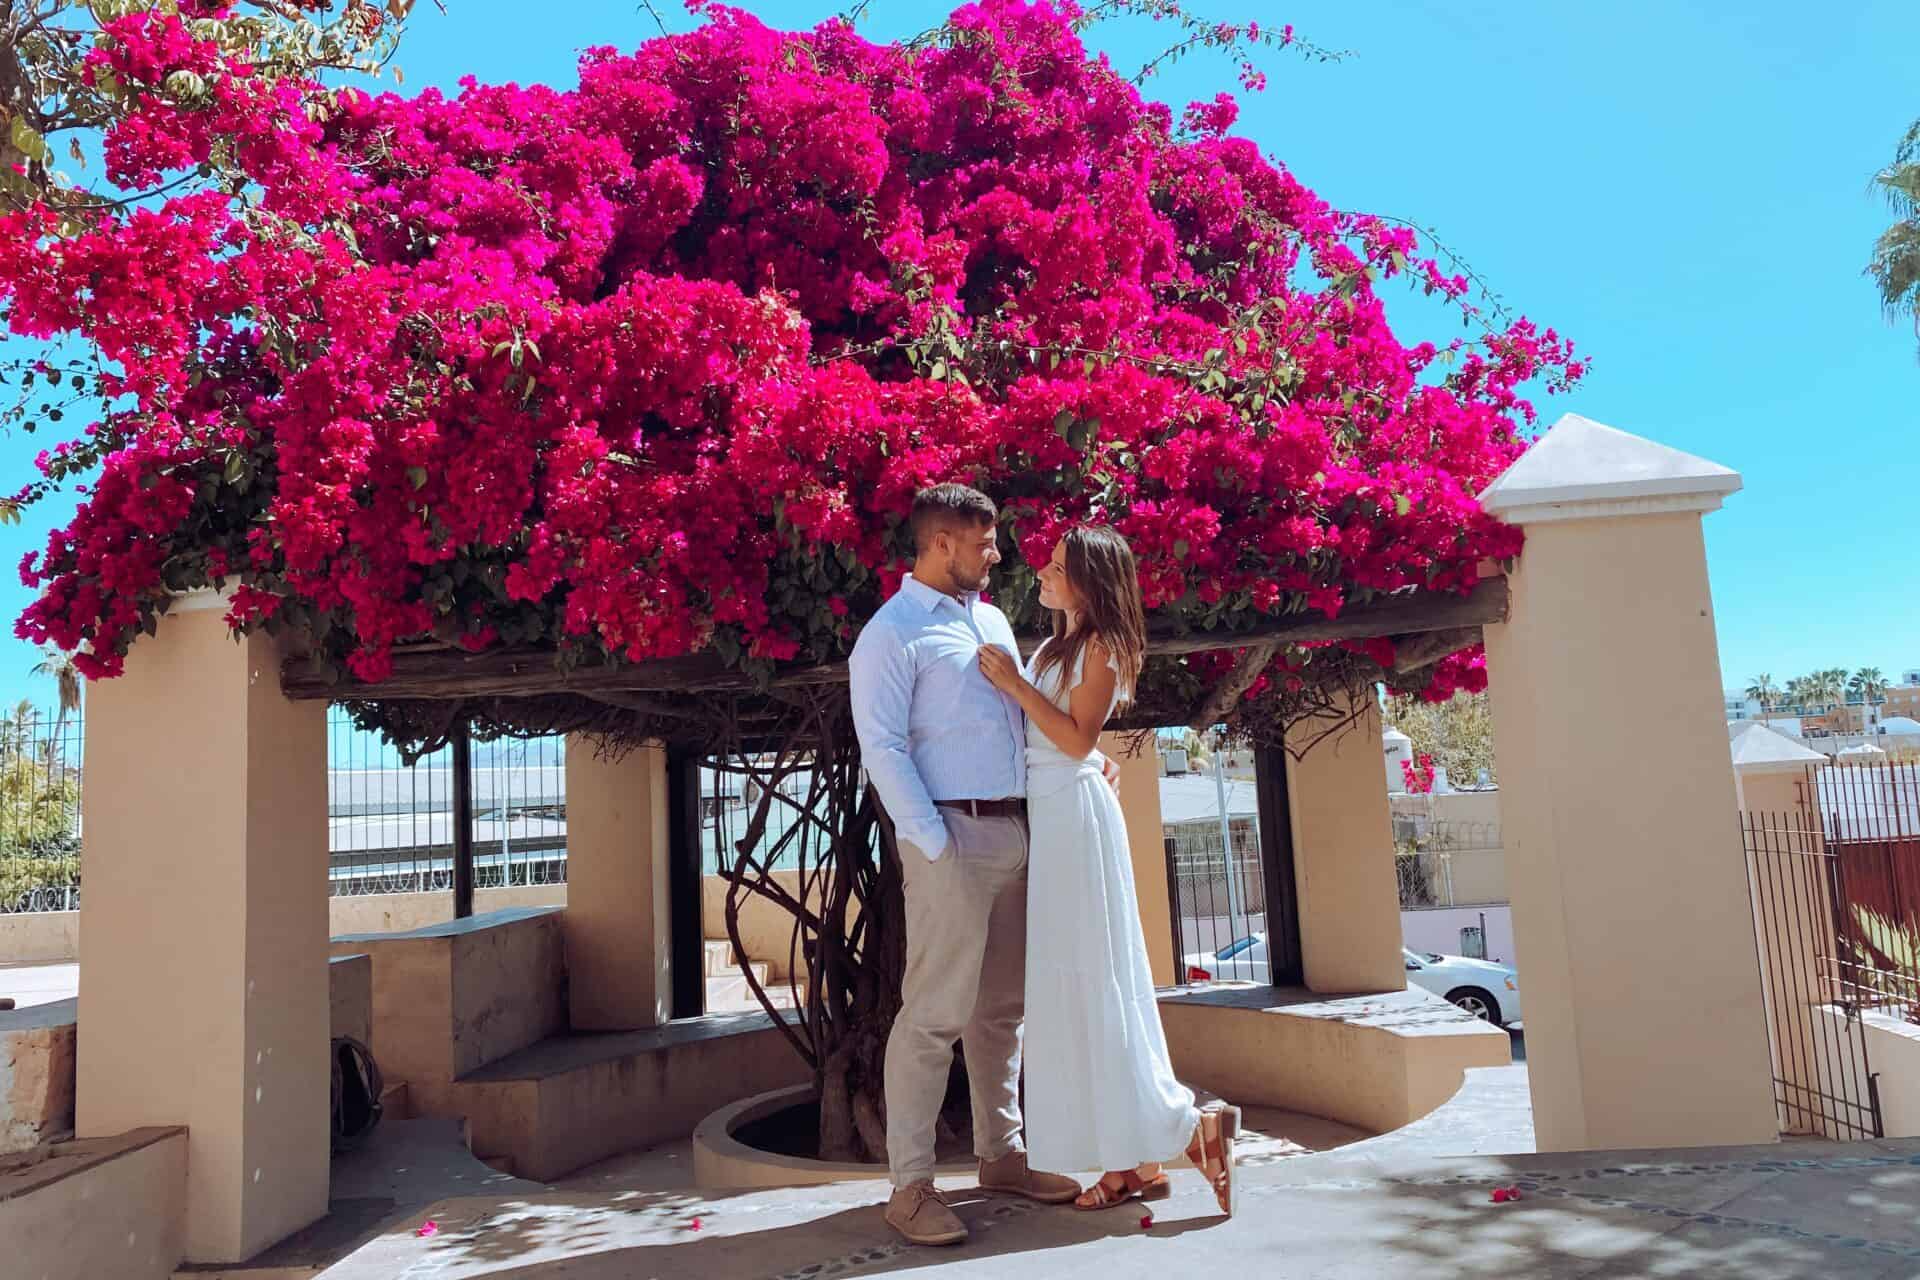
454, 673
1411, 653
1401, 615
1252, 661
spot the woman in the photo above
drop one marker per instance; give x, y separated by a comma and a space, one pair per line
1101, 1093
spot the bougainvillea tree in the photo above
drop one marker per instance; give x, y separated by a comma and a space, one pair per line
651, 367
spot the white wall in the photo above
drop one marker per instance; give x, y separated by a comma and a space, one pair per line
1893, 1047
1438, 929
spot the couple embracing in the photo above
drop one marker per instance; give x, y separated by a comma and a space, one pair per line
1018, 881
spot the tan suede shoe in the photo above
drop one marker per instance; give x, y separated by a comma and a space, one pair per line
921, 1217
1010, 1174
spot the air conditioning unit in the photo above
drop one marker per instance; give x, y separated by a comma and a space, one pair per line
1176, 761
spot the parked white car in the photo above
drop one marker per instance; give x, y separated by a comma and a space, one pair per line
1481, 987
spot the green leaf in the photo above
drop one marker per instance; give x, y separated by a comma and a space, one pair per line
1180, 548
1401, 505
417, 476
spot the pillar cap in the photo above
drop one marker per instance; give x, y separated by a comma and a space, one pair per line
1761, 748
1584, 470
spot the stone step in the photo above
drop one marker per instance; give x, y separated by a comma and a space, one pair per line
720, 957
572, 1099
731, 994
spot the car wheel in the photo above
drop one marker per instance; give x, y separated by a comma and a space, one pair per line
1480, 1004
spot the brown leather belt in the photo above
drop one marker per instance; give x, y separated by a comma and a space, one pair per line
986, 808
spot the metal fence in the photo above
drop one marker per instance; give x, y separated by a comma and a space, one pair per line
1448, 864
390, 824
1870, 822
39, 810
1219, 902
1822, 1077
1836, 897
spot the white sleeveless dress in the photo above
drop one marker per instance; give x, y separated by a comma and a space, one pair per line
1100, 1089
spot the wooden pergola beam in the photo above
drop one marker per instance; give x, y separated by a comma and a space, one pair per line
441, 674
1412, 653
1252, 661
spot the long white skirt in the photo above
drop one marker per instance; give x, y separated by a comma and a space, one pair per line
1101, 1093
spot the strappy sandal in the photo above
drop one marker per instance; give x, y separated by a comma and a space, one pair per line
1212, 1152
1132, 1187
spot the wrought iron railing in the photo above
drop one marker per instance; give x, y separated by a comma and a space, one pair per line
39, 810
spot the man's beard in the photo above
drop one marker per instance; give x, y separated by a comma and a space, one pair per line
963, 582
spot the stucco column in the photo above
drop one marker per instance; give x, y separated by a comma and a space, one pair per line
1146, 838
617, 923
1645, 1024
1343, 859
203, 998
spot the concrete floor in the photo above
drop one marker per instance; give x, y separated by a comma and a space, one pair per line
1416, 1200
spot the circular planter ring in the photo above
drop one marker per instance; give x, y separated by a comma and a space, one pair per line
722, 1160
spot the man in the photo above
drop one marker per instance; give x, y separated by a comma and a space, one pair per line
947, 753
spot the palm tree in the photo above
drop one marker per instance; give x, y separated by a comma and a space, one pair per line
59, 665
1869, 684
1765, 692
1895, 265
1826, 690
16, 730
1800, 692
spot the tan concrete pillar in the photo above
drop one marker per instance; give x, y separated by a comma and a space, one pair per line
617, 923
204, 997
1645, 1024
1146, 837
1343, 860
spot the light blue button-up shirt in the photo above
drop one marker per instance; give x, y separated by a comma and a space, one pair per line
931, 725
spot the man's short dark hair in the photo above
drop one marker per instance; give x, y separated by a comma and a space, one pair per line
948, 506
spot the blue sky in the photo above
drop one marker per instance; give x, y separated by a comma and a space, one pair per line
1681, 187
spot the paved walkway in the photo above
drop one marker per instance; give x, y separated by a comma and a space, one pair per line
1416, 1201
37, 984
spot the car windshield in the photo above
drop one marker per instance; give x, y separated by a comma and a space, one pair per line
1236, 947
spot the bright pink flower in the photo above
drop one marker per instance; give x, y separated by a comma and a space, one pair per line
657, 363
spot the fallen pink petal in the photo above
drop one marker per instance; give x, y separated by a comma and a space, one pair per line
428, 1228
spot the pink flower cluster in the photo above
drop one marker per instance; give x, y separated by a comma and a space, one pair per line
656, 364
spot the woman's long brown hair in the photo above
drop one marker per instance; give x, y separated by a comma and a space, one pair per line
1101, 571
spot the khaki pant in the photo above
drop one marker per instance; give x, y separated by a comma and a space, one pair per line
965, 981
